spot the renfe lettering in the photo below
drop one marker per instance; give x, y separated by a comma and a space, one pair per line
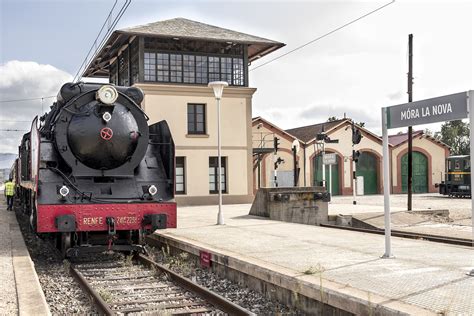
409, 114
441, 109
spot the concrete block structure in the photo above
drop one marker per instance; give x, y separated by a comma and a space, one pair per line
172, 61
428, 158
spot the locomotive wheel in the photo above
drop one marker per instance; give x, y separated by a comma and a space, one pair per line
65, 243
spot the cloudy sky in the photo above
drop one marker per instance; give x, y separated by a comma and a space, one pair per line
356, 70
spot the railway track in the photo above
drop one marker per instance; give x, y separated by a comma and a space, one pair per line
399, 233
142, 286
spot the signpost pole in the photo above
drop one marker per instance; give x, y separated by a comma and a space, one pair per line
386, 186
330, 179
410, 128
324, 168
471, 140
354, 182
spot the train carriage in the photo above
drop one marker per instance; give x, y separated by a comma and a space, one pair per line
457, 177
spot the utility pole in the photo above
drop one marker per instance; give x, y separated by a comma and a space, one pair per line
410, 128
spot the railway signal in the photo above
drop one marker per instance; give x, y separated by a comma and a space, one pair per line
276, 143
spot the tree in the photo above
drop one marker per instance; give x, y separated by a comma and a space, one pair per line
332, 119
456, 135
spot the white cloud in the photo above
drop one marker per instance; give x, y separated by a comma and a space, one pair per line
25, 80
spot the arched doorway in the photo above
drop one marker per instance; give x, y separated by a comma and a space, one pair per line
420, 173
367, 167
318, 174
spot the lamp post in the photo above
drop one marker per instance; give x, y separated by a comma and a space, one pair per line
218, 88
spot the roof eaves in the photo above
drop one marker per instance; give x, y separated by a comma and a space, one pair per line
276, 127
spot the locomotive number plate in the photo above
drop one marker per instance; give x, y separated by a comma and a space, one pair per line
123, 220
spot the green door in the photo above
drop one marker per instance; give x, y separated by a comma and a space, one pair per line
420, 173
318, 174
367, 168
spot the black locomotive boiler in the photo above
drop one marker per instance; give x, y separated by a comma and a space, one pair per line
457, 181
93, 174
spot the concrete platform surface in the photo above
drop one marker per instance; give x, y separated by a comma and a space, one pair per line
423, 278
416, 222
21, 292
459, 209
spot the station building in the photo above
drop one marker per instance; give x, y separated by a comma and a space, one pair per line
172, 61
428, 158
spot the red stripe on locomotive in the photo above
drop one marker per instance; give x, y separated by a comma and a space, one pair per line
92, 217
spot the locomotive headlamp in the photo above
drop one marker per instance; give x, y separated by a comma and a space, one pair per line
106, 116
107, 94
152, 189
64, 191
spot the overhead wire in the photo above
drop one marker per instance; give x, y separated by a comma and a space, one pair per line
29, 99
95, 41
322, 36
110, 28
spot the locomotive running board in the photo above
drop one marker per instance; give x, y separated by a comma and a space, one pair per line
93, 249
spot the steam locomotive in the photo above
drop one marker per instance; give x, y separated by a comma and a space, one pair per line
457, 177
92, 174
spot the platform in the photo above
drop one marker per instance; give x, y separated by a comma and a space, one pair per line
21, 293
416, 222
342, 269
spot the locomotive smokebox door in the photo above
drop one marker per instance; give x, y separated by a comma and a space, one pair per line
157, 221
66, 223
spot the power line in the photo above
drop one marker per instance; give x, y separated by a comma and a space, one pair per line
30, 99
16, 121
95, 41
13, 130
323, 36
105, 37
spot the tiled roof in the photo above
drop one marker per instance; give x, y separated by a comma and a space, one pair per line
178, 28
307, 133
397, 139
184, 28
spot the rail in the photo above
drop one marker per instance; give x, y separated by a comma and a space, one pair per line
115, 289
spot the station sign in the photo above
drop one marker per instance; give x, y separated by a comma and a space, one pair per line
329, 159
445, 108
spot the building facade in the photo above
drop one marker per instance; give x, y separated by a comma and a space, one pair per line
428, 158
172, 62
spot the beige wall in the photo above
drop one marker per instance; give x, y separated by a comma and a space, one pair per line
169, 102
266, 133
344, 150
435, 154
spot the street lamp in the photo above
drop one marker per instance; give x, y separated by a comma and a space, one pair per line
218, 87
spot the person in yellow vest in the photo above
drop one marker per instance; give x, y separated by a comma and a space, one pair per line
9, 193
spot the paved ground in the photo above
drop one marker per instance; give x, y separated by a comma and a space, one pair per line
20, 291
8, 300
459, 209
459, 223
423, 274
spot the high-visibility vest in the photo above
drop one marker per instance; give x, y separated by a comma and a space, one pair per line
9, 188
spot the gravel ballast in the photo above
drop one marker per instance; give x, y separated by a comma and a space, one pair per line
62, 293
240, 295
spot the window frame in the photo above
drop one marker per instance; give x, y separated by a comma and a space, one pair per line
236, 67
224, 162
183, 192
195, 113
